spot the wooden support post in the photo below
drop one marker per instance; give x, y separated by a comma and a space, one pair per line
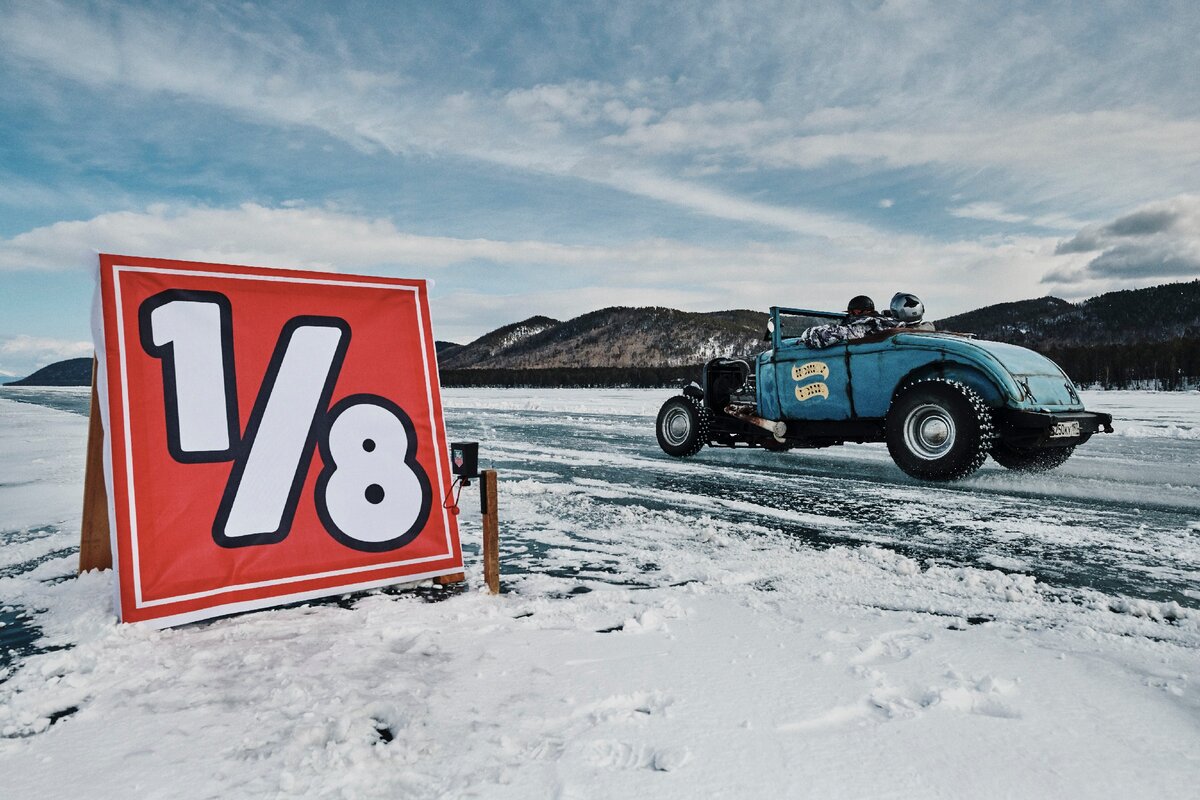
491, 531
491, 536
95, 547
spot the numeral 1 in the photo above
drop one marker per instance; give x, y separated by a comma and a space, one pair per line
192, 334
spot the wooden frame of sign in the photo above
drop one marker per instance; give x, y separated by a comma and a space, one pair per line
95, 544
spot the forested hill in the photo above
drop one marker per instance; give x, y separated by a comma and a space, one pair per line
487, 346
1156, 314
1140, 337
1147, 337
615, 337
72, 372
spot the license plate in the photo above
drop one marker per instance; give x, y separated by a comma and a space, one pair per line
1061, 429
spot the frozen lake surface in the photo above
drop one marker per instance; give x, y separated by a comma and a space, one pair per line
739, 621
1118, 517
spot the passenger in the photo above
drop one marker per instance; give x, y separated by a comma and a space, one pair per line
861, 320
909, 311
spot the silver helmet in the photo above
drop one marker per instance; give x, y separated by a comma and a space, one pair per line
907, 307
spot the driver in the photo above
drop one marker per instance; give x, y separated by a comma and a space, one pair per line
859, 306
861, 320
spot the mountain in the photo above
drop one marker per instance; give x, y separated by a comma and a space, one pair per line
1147, 338
72, 372
1132, 316
1127, 338
622, 337
615, 337
486, 347
1143, 337
444, 349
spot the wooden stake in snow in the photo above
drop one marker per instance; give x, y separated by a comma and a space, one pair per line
491, 536
491, 531
95, 547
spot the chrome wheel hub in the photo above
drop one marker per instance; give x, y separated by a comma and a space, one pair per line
929, 432
677, 426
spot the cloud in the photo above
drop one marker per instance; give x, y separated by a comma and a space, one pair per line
21, 355
709, 110
887, 202
1176, 259
40, 346
550, 129
329, 239
991, 212
1153, 219
776, 92
997, 212
951, 276
1143, 223
720, 125
1158, 240
1086, 241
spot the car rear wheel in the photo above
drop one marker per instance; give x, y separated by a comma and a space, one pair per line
683, 425
1030, 459
939, 430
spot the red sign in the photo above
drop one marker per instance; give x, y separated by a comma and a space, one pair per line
271, 436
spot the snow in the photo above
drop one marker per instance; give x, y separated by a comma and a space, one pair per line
807, 624
1151, 414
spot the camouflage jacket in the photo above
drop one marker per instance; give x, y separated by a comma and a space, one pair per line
848, 330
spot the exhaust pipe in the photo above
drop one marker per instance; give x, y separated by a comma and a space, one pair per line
776, 428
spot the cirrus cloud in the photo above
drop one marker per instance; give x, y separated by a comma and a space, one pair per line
326, 238
949, 275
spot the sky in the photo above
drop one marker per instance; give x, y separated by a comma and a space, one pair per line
556, 158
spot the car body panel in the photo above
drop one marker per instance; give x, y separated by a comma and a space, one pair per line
768, 393
859, 380
813, 384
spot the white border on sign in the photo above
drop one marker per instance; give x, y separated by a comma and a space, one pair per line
213, 612
437, 454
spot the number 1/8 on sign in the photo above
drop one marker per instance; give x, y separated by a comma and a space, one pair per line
371, 494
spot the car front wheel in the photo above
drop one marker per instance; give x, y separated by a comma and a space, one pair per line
682, 426
939, 430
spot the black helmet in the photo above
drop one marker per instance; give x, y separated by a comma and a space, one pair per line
860, 305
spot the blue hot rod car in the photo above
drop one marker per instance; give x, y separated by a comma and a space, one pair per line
943, 402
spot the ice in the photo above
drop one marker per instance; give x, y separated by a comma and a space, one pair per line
810, 623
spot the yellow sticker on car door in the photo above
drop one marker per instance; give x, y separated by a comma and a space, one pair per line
812, 390
812, 369
802, 371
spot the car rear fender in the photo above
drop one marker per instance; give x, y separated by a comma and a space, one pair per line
993, 391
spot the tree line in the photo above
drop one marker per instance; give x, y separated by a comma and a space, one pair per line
574, 377
1169, 365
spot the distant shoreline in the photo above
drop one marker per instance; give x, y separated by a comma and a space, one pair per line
620, 378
